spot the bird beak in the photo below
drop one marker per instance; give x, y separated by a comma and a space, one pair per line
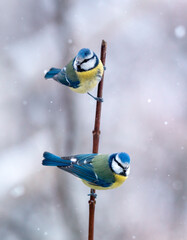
126, 171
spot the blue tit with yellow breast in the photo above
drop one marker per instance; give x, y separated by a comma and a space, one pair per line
81, 74
97, 171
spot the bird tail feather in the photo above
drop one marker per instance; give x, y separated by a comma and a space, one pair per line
52, 72
53, 160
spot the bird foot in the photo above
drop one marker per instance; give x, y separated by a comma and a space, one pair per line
96, 98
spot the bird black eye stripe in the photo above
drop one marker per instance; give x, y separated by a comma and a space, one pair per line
86, 60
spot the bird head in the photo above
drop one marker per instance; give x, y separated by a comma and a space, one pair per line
85, 60
120, 163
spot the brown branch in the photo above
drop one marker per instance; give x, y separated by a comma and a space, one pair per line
96, 134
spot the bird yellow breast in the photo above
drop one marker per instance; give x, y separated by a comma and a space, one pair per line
89, 79
118, 181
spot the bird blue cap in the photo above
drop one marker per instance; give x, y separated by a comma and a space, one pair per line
84, 53
124, 157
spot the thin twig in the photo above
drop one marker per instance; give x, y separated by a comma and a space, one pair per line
96, 134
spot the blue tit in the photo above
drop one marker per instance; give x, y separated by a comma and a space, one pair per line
81, 74
97, 171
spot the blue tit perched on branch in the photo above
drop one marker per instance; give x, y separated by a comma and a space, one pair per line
97, 171
81, 74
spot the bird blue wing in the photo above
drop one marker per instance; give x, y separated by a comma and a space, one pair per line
52, 72
62, 78
78, 165
81, 166
66, 76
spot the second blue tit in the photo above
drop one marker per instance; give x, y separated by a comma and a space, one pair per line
81, 74
97, 171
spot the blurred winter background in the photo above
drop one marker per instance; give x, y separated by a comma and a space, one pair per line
144, 113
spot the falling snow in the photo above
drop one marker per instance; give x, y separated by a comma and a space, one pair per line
70, 41
24, 102
17, 191
180, 31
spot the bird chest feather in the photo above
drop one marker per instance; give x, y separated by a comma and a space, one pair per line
89, 79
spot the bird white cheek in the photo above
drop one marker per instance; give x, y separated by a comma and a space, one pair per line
128, 171
116, 168
89, 64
